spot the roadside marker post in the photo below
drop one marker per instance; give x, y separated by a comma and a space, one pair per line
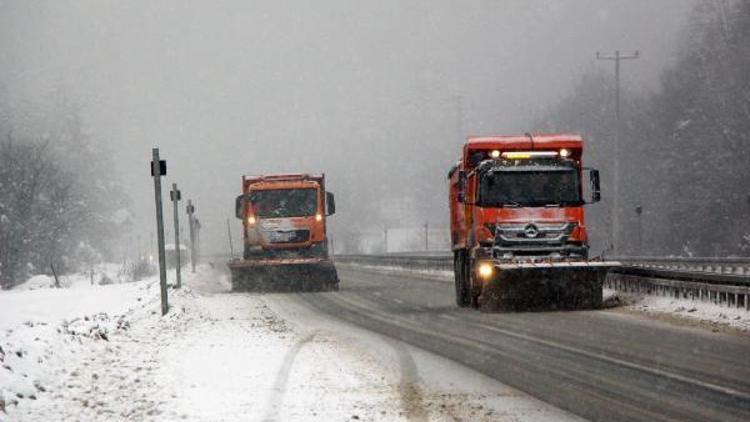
159, 169
190, 211
175, 195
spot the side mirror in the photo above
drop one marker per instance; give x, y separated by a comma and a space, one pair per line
330, 204
461, 186
239, 206
596, 192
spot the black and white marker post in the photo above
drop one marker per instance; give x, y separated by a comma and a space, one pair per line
190, 211
176, 196
159, 169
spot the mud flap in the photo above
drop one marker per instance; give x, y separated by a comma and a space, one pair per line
286, 277
546, 287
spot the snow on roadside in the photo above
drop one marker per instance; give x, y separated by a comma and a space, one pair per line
101, 274
34, 301
46, 331
706, 313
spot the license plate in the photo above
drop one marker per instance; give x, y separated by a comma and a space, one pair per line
280, 236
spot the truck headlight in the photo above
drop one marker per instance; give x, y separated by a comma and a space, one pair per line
485, 270
251, 220
318, 217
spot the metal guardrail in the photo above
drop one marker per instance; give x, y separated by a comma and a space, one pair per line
723, 281
720, 294
720, 265
430, 262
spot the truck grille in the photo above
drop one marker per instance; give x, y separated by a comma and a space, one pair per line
287, 236
533, 234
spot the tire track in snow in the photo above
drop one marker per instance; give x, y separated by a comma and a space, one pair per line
410, 395
282, 379
412, 401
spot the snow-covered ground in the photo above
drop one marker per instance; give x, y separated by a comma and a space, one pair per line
48, 335
37, 300
102, 353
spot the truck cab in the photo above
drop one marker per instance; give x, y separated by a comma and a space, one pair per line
518, 199
284, 216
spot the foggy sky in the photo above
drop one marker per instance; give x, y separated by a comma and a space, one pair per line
376, 94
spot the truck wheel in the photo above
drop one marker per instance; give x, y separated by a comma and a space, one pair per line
460, 280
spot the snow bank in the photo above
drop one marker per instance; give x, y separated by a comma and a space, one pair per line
704, 313
40, 281
101, 274
52, 305
35, 356
45, 331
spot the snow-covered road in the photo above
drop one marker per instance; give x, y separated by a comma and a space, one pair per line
219, 356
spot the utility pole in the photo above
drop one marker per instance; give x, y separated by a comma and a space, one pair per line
159, 169
426, 237
617, 57
176, 196
190, 210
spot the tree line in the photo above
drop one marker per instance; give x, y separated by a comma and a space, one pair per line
60, 203
684, 150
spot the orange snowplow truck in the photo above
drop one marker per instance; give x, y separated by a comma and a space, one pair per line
284, 220
517, 224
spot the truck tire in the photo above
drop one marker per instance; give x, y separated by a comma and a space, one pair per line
460, 279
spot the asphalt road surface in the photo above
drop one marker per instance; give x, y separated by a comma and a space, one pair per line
601, 365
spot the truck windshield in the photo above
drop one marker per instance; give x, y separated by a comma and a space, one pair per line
530, 188
279, 203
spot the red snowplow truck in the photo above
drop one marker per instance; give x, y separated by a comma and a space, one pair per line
285, 234
517, 224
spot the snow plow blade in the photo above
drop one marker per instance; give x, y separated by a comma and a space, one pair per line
283, 275
545, 286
